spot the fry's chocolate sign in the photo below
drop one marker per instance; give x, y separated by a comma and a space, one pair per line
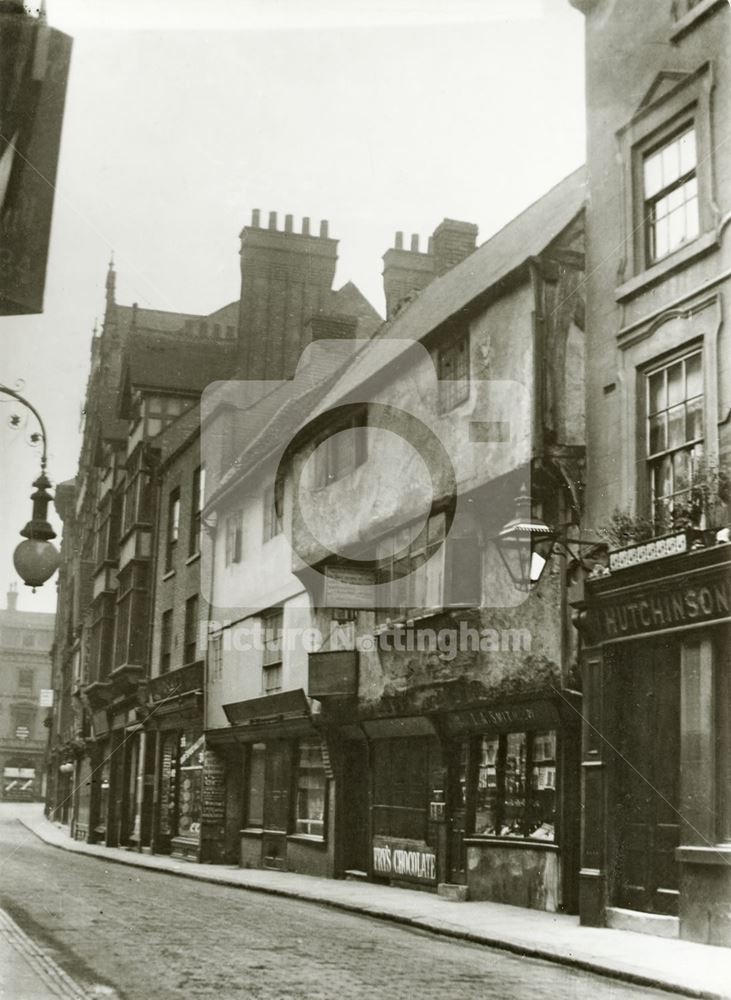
404, 860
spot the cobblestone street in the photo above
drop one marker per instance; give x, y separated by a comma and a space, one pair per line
144, 934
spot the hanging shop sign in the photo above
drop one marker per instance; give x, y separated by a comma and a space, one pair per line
32, 96
405, 860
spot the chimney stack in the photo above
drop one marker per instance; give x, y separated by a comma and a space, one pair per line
452, 241
12, 597
408, 271
286, 276
404, 272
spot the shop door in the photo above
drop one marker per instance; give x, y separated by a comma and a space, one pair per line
457, 806
647, 689
355, 801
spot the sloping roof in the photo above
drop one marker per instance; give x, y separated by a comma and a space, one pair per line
166, 364
350, 301
525, 236
153, 319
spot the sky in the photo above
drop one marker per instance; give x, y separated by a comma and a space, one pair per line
182, 117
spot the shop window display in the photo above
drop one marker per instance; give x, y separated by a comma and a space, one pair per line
311, 790
190, 776
516, 786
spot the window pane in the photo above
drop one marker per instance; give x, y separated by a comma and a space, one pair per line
515, 782
670, 163
486, 799
675, 383
661, 241
657, 433
676, 227
693, 376
676, 426
653, 175
682, 471
694, 419
542, 804
311, 790
676, 198
657, 392
662, 478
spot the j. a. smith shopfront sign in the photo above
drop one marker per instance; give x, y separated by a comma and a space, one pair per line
662, 605
406, 860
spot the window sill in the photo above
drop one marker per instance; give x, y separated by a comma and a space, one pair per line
719, 854
486, 841
191, 559
168, 574
306, 838
665, 267
252, 831
689, 20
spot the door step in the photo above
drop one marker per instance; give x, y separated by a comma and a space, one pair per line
355, 875
642, 923
454, 891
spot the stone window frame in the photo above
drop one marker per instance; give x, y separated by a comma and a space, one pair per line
687, 101
675, 331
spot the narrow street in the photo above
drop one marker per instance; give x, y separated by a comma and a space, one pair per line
137, 934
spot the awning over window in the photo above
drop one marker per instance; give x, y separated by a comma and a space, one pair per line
275, 716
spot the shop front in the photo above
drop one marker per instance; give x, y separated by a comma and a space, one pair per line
171, 773
407, 775
280, 787
513, 800
656, 755
475, 800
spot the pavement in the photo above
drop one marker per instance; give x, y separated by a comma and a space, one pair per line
29, 973
683, 967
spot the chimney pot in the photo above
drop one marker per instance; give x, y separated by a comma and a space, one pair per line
272, 220
255, 218
399, 242
288, 223
306, 225
415, 243
323, 229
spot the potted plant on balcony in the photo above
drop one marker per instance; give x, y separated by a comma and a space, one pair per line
699, 512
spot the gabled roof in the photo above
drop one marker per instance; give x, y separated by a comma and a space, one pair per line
455, 291
524, 237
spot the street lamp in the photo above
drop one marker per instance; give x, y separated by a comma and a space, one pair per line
526, 543
36, 559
